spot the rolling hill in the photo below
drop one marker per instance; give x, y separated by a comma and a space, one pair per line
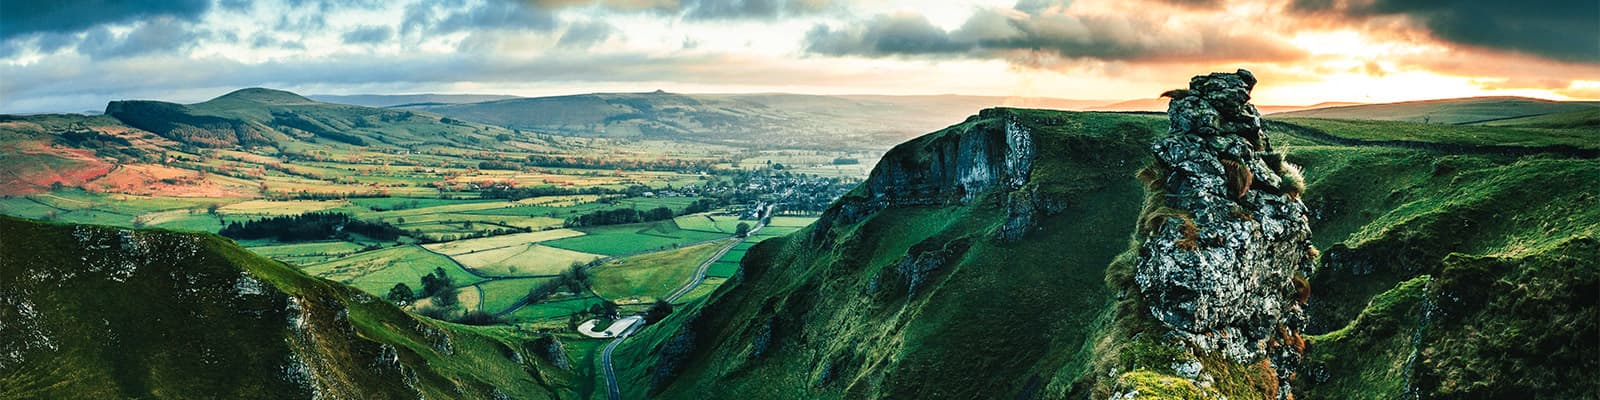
1445, 111
259, 117
762, 120
102, 312
391, 100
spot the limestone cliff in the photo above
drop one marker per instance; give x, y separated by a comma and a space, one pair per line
1226, 247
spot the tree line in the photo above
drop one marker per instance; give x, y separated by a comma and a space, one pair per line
308, 227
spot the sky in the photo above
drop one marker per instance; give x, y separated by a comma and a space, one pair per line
75, 55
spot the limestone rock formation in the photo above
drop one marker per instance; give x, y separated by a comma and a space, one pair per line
1225, 252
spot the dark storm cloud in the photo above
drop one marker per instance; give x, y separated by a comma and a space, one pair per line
154, 36
585, 34
1565, 30
24, 17
1029, 28
368, 34
901, 34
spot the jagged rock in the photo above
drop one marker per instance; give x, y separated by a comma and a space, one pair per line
1217, 265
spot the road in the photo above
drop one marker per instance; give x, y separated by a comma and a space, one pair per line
613, 392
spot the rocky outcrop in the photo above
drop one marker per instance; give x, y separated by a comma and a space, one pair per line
989, 151
1221, 253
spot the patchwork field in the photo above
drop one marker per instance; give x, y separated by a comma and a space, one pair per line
708, 222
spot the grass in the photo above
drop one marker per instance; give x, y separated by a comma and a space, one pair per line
1453, 134
308, 253
646, 278
499, 295
549, 310
523, 260
708, 222
377, 271
459, 247
618, 240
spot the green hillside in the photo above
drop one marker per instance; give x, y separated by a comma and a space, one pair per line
259, 117
1447, 272
102, 312
1444, 111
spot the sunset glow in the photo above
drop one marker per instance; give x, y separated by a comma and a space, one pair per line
1306, 51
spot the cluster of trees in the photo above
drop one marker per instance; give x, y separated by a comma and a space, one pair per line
496, 164
309, 226
445, 306
619, 216
555, 161
513, 193
574, 279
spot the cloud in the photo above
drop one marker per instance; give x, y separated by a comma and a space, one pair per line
899, 34
1047, 28
1545, 28
20, 17
161, 34
735, 9
432, 18
367, 34
585, 34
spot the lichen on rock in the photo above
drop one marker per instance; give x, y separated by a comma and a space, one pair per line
1221, 275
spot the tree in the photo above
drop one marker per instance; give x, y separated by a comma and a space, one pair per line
401, 294
657, 312
609, 308
435, 282
742, 229
446, 298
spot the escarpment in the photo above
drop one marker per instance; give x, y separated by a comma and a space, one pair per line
1226, 243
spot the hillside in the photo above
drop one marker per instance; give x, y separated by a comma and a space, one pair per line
1444, 111
258, 117
101, 312
970, 266
392, 100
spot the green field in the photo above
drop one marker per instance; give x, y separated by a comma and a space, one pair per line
645, 278
1453, 134
523, 260
552, 309
706, 222
307, 253
378, 271
618, 240
499, 295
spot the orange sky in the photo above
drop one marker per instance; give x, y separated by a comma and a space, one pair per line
73, 55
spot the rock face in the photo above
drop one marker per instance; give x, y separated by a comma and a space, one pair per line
952, 167
1222, 254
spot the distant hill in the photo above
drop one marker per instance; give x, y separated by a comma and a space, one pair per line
391, 100
1583, 118
1160, 104
774, 119
258, 117
1445, 111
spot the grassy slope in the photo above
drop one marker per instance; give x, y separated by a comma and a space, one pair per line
112, 313
650, 276
843, 323
1445, 111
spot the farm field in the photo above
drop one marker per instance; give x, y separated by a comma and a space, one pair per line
308, 253
547, 310
378, 271
500, 294
708, 222
621, 240
523, 260
645, 278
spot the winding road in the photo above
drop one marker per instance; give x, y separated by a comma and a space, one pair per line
613, 392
